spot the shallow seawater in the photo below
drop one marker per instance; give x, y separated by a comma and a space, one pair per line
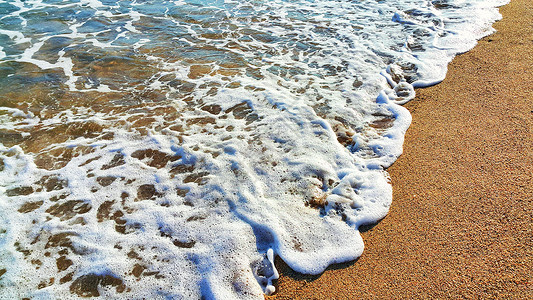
171, 149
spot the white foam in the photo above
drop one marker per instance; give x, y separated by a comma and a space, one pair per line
16, 36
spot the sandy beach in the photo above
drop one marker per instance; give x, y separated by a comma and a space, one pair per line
460, 225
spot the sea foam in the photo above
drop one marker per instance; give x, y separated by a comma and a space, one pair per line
172, 149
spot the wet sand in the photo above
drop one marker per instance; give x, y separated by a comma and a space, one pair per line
461, 222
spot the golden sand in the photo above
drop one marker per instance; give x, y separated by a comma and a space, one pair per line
461, 222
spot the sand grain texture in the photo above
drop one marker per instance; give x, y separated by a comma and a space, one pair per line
460, 225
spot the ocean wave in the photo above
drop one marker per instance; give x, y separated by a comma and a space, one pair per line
172, 149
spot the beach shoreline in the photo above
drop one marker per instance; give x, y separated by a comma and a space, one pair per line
460, 223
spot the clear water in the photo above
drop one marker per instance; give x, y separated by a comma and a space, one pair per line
170, 149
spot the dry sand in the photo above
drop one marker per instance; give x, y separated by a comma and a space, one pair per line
460, 225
